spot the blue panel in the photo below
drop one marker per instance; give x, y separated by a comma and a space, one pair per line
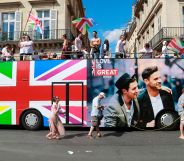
43, 66
45, 121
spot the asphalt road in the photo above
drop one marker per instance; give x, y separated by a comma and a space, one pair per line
22, 145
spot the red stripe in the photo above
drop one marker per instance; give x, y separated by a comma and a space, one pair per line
89, 22
80, 23
175, 46
32, 17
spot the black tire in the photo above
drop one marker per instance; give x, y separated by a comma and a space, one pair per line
31, 120
167, 120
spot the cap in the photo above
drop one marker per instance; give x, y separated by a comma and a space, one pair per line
102, 94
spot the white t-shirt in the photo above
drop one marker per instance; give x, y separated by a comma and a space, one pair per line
22, 50
147, 53
129, 113
5, 52
96, 102
156, 104
78, 44
26, 47
119, 47
164, 50
104, 47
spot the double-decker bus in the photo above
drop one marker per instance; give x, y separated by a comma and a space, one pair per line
27, 88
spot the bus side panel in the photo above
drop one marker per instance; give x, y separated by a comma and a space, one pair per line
7, 93
45, 73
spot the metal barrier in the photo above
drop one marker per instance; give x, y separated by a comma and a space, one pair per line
167, 33
73, 55
34, 35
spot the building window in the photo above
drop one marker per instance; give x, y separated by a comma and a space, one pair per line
44, 17
159, 23
8, 26
152, 32
183, 15
147, 36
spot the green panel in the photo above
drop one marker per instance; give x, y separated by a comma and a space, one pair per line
5, 118
6, 68
182, 43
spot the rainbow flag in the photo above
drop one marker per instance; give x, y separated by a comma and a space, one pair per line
83, 24
36, 23
176, 45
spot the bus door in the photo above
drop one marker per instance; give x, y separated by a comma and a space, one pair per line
71, 96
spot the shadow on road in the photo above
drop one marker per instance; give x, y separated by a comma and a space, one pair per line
115, 133
75, 135
11, 127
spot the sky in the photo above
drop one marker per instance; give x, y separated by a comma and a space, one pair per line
110, 16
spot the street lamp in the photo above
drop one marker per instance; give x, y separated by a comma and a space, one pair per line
136, 59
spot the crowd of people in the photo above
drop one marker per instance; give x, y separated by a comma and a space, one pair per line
76, 49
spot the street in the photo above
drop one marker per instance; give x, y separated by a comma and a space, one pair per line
125, 146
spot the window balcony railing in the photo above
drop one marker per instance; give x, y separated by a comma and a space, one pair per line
34, 35
167, 33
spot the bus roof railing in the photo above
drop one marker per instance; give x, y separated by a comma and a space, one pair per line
70, 55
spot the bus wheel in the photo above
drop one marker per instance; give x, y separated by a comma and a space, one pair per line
31, 120
167, 120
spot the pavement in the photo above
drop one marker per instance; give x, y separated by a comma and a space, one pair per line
23, 145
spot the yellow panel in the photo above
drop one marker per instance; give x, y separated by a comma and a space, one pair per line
2, 108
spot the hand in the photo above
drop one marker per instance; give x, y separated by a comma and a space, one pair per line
102, 107
92, 46
166, 89
151, 124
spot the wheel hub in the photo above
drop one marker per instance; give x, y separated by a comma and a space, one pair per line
31, 120
167, 119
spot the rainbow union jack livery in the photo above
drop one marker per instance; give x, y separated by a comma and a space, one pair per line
27, 88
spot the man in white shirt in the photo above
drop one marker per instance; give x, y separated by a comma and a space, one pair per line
6, 54
78, 43
166, 53
164, 50
96, 114
78, 46
154, 99
120, 48
146, 52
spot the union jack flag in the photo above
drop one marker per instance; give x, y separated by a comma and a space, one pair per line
25, 85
